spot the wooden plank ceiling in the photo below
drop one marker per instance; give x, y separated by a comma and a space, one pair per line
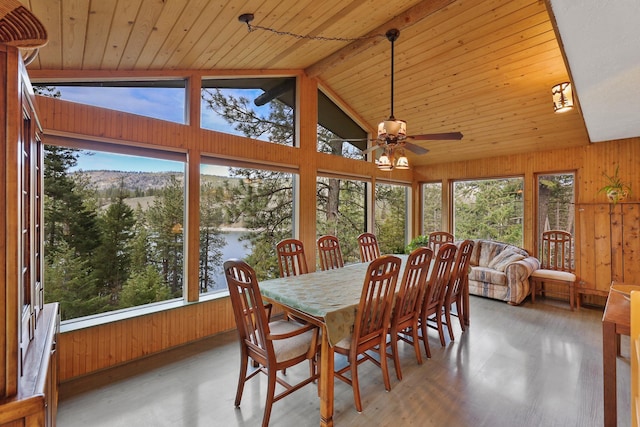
484, 68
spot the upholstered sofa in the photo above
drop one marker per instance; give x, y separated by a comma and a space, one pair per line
500, 271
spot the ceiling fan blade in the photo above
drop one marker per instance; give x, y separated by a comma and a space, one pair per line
371, 149
348, 140
437, 136
416, 149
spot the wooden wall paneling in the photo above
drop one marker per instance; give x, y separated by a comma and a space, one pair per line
191, 230
631, 242
13, 121
585, 246
595, 255
5, 305
307, 117
91, 349
603, 244
616, 233
415, 213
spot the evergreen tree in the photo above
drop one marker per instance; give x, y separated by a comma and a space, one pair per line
70, 281
141, 252
276, 126
432, 207
66, 216
165, 218
341, 212
555, 202
113, 256
489, 209
144, 287
263, 203
211, 240
391, 212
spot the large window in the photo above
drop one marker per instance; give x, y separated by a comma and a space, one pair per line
159, 99
556, 208
431, 207
259, 108
244, 213
113, 229
489, 209
341, 212
391, 211
339, 134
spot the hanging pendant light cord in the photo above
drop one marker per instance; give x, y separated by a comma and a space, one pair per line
392, 35
392, 43
248, 17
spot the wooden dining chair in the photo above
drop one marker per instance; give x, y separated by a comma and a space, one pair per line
291, 259
407, 305
369, 249
371, 324
432, 305
329, 253
274, 345
555, 267
437, 238
458, 283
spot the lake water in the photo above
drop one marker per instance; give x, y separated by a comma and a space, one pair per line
233, 249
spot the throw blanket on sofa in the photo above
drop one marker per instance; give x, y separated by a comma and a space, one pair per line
500, 271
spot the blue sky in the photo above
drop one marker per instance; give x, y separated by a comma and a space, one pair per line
161, 103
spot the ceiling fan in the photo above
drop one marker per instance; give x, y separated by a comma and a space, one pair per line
392, 133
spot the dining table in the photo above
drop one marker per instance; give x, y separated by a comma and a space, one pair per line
616, 321
328, 299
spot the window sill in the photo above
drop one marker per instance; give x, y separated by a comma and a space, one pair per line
132, 312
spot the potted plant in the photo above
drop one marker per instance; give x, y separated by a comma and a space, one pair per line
422, 240
615, 189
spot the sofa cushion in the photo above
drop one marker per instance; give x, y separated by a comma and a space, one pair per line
504, 258
488, 275
488, 251
554, 275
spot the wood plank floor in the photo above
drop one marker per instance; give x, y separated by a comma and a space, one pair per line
531, 365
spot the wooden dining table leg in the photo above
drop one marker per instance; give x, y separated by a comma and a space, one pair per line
465, 303
326, 381
609, 353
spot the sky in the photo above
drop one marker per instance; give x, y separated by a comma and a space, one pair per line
161, 103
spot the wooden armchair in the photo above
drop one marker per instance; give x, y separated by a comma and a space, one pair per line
555, 267
437, 238
275, 346
329, 253
369, 249
371, 324
458, 286
408, 302
433, 302
291, 259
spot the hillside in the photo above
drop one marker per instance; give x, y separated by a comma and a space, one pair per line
141, 181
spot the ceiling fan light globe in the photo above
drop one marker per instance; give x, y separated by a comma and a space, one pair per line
384, 162
382, 131
402, 162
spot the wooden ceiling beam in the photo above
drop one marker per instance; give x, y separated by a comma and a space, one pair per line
405, 19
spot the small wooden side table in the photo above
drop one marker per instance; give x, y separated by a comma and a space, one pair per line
616, 321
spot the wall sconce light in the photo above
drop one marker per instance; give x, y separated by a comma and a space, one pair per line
562, 97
